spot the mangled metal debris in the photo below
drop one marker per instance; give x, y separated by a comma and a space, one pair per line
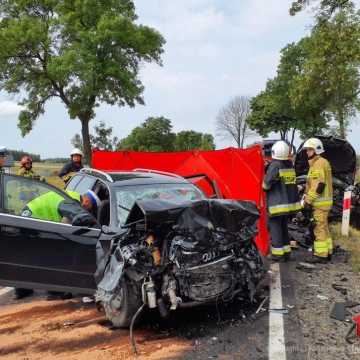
171, 256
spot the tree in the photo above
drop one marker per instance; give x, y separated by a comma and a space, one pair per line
191, 140
83, 52
155, 134
76, 142
331, 70
326, 7
273, 109
103, 138
232, 120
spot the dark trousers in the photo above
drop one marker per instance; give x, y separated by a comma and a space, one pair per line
280, 241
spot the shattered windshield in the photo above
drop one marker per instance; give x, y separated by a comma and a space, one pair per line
177, 193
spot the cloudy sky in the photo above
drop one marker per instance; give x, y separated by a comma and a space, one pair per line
215, 50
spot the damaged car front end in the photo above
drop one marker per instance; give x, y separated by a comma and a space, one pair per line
169, 256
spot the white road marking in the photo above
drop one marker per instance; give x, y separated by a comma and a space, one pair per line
5, 291
277, 348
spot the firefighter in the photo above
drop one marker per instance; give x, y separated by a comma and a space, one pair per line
73, 166
3, 155
26, 168
318, 199
282, 199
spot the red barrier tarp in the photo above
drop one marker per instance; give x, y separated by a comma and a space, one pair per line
238, 173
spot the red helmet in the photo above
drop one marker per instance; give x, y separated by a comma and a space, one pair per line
25, 159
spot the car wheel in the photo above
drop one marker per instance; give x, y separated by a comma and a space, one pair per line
122, 306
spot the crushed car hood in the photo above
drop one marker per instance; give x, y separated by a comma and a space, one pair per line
340, 154
228, 214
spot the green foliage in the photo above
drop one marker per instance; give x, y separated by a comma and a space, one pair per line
156, 134
273, 109
103, 138
84, 52
192, 140
331, 70
326, 8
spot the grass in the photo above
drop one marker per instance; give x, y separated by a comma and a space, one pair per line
351, 243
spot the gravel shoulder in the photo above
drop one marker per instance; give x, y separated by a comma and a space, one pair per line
324, 337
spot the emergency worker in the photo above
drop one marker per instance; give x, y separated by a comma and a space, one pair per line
51, 206
282, 199
318, 199
26, 168
73, 166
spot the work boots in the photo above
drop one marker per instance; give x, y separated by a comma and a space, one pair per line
317, 260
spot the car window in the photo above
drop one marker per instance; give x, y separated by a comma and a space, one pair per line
177, 193
86, 183
73, 182
19, 191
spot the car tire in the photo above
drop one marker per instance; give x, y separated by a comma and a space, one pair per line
123, 305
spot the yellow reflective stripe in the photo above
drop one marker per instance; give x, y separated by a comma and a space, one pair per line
288, 176
287, 249
284, 208
277, 251
312, 195
319, 202
321, 246
315, 174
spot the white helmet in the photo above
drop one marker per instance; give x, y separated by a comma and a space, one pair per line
314, 144
76, 151
280, 150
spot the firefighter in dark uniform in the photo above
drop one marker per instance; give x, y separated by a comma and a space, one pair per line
73, 166
282, 199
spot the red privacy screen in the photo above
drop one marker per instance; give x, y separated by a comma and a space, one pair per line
237, 173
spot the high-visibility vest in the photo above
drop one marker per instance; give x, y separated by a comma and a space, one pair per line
45, 207
319, 172
281, 189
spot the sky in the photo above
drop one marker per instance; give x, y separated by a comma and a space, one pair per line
214, 50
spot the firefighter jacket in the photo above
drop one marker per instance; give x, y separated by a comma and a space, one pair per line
281, 189
28, 173
319, 187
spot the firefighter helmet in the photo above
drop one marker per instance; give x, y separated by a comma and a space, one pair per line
314, 144
280, 151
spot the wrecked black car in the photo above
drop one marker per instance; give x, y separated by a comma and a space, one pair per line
342, 158
156, 240
174, 256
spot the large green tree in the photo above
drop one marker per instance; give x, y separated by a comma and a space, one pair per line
331, 70
83, 52
193, 140
155, 134
273, 109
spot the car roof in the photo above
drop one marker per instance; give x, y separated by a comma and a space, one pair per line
123, 178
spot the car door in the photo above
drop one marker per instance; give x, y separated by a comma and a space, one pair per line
37, 253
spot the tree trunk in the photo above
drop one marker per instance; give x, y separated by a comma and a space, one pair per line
86, 140
292, 138
342, 125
